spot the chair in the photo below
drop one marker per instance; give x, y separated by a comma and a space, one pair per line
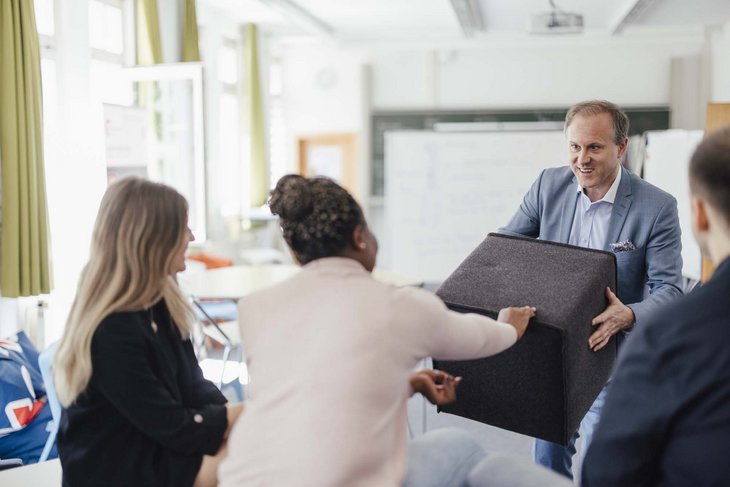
218, 321
7, 463
45, 362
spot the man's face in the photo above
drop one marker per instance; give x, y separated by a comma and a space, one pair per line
594, 156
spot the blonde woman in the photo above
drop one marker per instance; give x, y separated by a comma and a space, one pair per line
137, 408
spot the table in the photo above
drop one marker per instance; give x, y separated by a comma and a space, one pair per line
238, 281
47, 473
233, 283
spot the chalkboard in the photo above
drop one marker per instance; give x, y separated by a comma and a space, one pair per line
445, 191
666, 163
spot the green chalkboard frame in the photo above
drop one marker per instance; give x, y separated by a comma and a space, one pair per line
642, 119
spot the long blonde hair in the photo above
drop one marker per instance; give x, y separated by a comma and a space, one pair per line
139, 228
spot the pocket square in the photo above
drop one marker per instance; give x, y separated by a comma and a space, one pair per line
624, 246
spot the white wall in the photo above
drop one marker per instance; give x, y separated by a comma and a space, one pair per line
552, 73
325, 91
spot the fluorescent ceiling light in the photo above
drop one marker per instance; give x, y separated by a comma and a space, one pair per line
630, 13
470, 16
301, 17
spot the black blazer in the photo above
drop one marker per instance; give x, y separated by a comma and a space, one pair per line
666, 420
147, 415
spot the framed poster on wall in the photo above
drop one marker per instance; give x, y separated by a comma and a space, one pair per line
331, 155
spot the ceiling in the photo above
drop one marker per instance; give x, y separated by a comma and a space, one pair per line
435, 20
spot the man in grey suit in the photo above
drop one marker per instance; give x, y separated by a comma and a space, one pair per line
595, 203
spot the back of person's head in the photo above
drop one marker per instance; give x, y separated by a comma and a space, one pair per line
709, 171
317, 216
591, 108
139, 227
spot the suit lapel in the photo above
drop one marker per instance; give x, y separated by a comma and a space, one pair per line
621, 206
570, 199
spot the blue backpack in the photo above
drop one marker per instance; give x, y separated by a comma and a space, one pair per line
25, 414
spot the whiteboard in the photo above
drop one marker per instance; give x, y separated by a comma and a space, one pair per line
444, 192
666, 165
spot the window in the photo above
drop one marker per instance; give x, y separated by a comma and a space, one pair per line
278, 141
107, 27
228, 65
64, 61
229, 109
45, 23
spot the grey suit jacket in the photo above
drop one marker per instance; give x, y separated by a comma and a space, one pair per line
642, 213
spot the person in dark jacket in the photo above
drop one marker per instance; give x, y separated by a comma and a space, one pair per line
137, 408
666, 420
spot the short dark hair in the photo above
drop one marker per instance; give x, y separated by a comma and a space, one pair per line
596, 107
317, 216
709, 170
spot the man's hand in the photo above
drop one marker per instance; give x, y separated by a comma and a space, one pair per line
436, 386
616, 317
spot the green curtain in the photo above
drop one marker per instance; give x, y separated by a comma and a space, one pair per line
190, 48
149, 46
24, 257
149, 52
259, 180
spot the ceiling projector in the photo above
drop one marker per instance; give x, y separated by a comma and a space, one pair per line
555, 22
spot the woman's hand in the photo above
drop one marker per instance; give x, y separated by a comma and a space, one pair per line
233, 411
436, 386
517, 317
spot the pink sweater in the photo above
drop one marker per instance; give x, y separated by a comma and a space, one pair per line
330, 353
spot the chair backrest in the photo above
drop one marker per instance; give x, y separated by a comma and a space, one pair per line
45, 362
7, 463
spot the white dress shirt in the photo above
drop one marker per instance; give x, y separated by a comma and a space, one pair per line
590, 222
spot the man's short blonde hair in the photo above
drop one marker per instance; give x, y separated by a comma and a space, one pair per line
596, 107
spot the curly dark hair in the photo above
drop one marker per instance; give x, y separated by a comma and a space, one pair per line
317, 216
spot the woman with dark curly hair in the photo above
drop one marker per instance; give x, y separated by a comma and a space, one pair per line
331, 351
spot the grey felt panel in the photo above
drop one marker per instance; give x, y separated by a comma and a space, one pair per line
544, 385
